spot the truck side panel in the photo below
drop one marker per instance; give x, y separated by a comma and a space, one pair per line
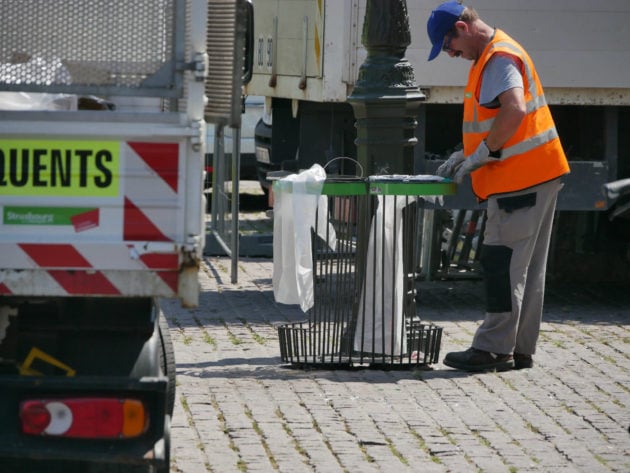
571, 42
110, 224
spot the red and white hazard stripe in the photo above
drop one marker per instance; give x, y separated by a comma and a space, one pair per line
110, 270
153, 210
146, 260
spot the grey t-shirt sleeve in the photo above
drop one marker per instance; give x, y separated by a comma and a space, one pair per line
500, 74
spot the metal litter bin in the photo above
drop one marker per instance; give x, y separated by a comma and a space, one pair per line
364, 312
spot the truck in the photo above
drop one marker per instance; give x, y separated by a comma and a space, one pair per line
103, 111
306, 63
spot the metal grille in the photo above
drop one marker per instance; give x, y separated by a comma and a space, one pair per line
226, 34
91, 45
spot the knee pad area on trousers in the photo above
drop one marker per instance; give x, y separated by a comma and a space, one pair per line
495, 261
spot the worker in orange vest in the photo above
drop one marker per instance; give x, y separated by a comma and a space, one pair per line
515, 160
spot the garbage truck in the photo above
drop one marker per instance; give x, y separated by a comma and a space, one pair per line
103, 110
306, 63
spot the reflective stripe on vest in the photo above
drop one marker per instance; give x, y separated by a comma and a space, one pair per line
529, 144
484, 126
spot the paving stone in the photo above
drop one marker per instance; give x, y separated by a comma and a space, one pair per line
238, 409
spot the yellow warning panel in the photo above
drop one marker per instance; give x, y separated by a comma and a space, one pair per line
59, 168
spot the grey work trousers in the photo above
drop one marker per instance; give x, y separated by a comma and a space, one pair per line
514, 258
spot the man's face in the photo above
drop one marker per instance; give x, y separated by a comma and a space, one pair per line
457, 42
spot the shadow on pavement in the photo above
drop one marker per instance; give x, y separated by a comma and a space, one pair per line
272, 368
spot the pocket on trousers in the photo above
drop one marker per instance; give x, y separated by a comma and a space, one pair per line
518, 217
516, 202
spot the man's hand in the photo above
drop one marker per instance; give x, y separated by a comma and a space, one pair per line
474, 161
447, 169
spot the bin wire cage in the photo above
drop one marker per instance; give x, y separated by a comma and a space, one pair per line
364, 275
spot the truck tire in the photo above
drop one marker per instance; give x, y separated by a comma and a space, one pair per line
167, 361
167, 447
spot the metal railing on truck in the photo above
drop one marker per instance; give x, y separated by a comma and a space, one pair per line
130, 48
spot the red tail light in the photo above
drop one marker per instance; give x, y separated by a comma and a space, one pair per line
84, 417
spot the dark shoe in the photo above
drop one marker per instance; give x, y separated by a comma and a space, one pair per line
523, 361
478, 360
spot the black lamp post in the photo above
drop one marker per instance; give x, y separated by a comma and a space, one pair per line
386, 98
386, 101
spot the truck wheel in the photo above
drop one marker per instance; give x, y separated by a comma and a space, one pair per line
167, 361
167, 447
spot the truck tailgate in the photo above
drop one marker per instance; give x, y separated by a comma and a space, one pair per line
106, 216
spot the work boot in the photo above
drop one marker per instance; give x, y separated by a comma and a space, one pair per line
522, 361
478, 360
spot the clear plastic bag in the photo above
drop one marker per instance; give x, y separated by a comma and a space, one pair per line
37, 101
39, 70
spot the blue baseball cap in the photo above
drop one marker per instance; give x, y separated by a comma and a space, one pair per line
441, 20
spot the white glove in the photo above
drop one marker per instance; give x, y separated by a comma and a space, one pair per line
474, 161
447, 168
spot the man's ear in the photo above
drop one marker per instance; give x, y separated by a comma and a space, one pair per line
461, 26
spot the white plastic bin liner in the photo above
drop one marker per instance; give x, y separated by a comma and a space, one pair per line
297, 199
380, 318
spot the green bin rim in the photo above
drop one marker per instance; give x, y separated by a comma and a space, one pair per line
412, 188
366, 187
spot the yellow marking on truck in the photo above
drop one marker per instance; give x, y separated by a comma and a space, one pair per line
26, 368
82, 168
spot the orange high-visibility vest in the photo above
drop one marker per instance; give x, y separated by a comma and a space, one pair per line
533, 155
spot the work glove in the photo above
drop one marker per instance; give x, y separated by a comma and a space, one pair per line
479, 158
447, 168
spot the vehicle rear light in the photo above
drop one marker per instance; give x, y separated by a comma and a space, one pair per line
84, 417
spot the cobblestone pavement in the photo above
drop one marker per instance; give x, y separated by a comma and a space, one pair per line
239, 410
